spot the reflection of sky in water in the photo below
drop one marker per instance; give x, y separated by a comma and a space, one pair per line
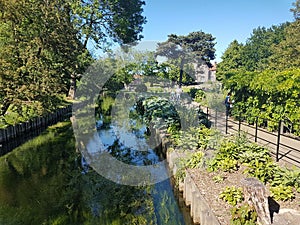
131, 140
107, 137
127, 139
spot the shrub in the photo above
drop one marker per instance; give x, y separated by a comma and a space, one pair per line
243, 215
232, 195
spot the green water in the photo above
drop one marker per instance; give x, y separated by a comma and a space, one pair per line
42, 182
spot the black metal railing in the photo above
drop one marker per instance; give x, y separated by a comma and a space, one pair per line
280, 138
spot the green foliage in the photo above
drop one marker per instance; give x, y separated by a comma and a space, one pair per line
199, 96
196, 47
267, 97
218, 178
282, 192
232, 195
38, 56
255, 54
264, 171
238, 150
263, 74
243, 215
286, 54
296, 9
181, 169
48, 46
159, 112
105, 105
254, 152
286, 177
225, 164
196, 160
99, 21
195, 138
190, 160
231, 60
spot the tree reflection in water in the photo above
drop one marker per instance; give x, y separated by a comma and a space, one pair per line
41, 182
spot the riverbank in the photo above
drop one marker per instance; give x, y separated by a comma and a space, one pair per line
201, 192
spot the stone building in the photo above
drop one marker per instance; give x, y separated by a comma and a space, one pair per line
204, 73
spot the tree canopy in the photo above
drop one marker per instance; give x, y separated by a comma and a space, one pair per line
102, 21
43, 43
194, 47
296, 9
264, 73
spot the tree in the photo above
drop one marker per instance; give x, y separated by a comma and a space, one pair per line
100, 21
231, 59
39, 52
287, 53
296, 9
194, 47
44, 44
258, 47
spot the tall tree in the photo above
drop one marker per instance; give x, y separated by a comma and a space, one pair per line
231, 59
258, 47
287, 53
194, 47
296, 9
43, 43
39, 50
100, 21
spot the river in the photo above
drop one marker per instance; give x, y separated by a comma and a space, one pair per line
46, 181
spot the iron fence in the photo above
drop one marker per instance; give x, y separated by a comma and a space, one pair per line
280, 138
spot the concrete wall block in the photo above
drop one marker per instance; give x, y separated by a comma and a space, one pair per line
187, 193
193, 204
196, 208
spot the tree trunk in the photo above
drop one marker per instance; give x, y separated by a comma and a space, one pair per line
255, 195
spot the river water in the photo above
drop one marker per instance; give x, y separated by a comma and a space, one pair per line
48, 182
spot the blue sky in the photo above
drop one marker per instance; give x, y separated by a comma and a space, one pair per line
224, 19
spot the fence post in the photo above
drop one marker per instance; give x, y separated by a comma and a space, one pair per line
256, 125
278, 141
226, 124
207, 113
216, 114
240, 121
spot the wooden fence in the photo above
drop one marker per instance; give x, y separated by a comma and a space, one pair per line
38, 123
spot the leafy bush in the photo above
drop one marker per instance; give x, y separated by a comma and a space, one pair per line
158, 111
243, 215
199, 96
286, 177
232, 195
226, 165
195, 138
282, 192
268, 95
196, 160
264, 171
